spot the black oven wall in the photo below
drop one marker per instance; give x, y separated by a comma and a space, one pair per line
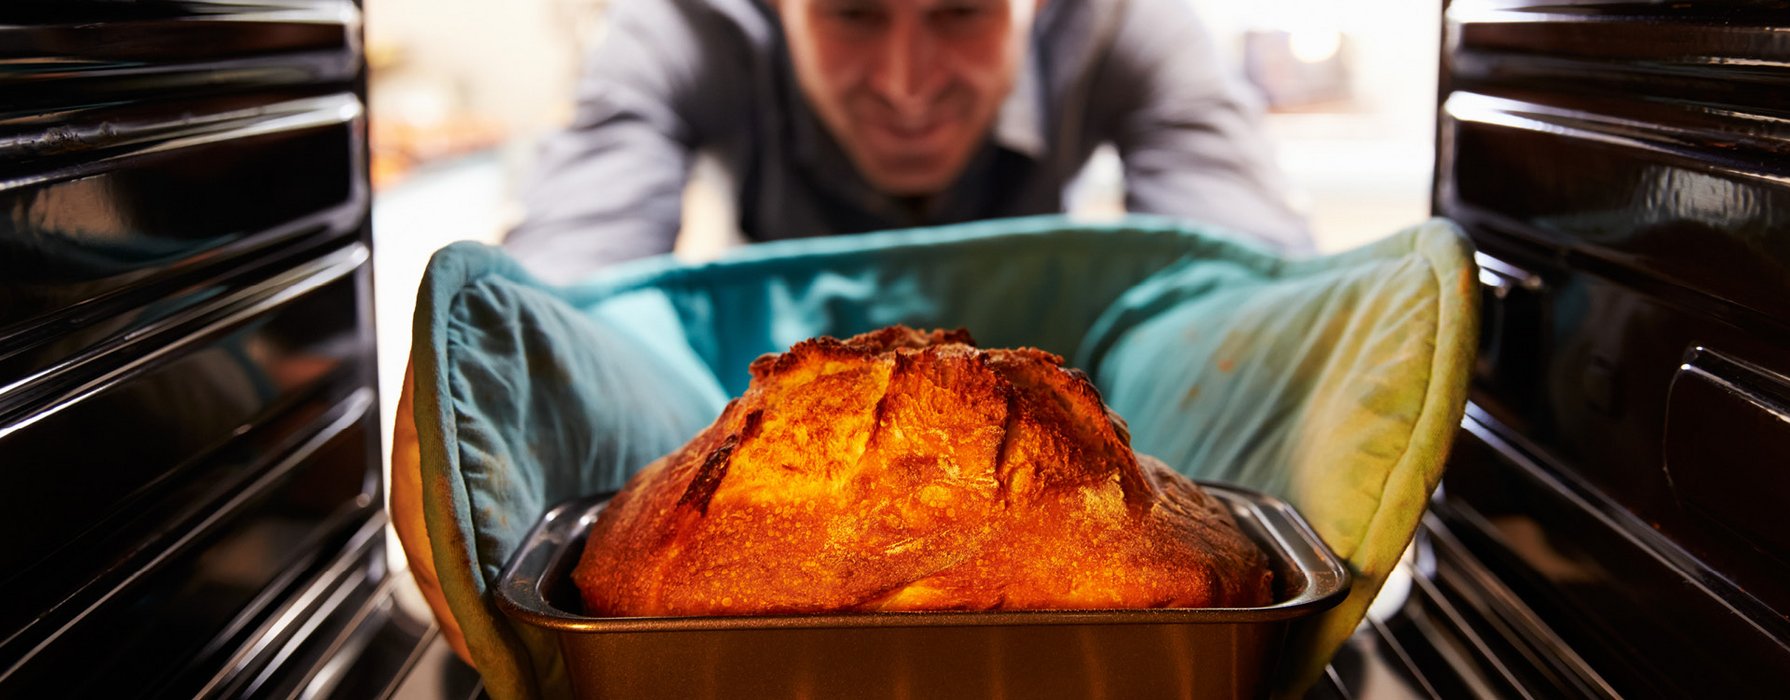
189, 447
1625, 171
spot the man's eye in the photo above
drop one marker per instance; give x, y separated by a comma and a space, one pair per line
858, 16
958, 14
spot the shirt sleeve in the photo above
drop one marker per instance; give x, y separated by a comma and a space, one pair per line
1188, 131
609, 186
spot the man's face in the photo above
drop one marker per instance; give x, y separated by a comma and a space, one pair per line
909, 88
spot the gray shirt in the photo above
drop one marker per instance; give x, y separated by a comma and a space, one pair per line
672, 77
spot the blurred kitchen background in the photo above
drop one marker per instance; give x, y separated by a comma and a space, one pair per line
461, 90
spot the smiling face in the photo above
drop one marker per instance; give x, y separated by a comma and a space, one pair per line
909, 88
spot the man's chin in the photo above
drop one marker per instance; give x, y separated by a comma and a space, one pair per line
909, 178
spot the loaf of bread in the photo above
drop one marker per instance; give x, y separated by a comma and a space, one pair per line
901, 470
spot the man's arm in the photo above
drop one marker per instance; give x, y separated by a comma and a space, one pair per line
609, 187
1187, 131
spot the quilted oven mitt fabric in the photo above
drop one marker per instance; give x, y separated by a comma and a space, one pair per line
1335, 383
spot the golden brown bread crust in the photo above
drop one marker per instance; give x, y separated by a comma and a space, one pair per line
901, 470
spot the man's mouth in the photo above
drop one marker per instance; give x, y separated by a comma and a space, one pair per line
913, 128
910, 134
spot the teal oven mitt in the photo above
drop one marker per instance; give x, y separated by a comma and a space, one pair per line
1335, 383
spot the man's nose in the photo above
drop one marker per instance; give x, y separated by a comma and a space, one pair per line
906, 75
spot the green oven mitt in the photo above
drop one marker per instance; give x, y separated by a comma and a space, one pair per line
1335, 383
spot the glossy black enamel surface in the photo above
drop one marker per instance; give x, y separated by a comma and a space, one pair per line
188, 427
189, 613
1717, 52
203, 427
97, 249
1596, 400
1692, 209
62, 55
1723, 412
1625, 170
1653, 619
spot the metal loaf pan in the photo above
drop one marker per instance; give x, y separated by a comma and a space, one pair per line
1155, 653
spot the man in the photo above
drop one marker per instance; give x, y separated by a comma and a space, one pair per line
842, 116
